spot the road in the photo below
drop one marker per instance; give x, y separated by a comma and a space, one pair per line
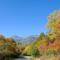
25, 58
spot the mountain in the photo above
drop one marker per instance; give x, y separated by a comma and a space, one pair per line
26, 40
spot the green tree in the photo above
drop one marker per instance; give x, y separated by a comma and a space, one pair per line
35, 52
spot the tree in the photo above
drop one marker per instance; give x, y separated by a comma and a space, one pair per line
54, 25
41, 40
54, 31
35, 52
42, 35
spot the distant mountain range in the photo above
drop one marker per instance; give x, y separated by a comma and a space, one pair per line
26, 40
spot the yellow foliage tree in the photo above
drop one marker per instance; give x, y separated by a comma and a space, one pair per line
54, 25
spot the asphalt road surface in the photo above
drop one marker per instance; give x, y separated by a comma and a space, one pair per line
25, 58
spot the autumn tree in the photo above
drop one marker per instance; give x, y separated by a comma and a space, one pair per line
54, 32
54, 25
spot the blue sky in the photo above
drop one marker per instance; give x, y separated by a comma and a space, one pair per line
25, 17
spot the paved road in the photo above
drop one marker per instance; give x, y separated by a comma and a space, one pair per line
25, 58
22, 59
